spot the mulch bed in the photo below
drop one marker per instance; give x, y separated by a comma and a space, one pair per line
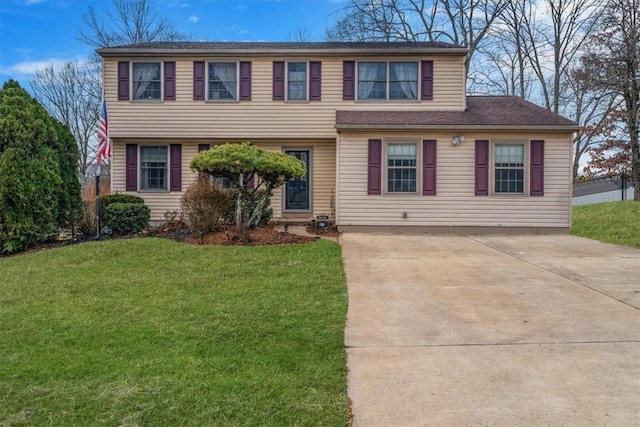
264, 235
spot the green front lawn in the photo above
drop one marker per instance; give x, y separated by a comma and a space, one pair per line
613, 222
153, 332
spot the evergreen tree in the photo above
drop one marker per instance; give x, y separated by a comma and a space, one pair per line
39, 187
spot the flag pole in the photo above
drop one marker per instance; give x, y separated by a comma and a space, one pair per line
98, 204
104, 152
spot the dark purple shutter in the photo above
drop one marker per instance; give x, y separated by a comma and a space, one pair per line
315, 81
131, 167
278, 81
251, 181
245, 81
349, 80
169, 81
123, 81
482, 167
429, 167
175, 161
537, 168
375, 167
198, 80
427, 80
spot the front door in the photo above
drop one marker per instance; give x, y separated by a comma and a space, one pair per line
298, 189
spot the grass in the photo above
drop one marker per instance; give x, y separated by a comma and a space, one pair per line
152, 332
613, 222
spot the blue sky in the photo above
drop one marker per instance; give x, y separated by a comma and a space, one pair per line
34, 33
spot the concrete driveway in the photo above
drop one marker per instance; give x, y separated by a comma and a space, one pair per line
492, 330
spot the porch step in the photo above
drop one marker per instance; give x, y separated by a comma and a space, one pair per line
299, 220
292, 221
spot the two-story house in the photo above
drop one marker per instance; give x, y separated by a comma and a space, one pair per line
390, 139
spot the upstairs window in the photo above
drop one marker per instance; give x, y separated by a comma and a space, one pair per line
146, 81
297, 81
223, 81
372, 80
387, 80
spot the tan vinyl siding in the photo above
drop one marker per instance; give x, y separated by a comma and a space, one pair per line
323, 173
262, 117
455, 203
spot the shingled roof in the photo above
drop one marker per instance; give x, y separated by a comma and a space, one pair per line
213, 48
488, 112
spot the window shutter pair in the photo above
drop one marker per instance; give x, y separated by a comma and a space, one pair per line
349, 80
374, 181
169, 81
199, 80
175, 167
315, 80
536, 175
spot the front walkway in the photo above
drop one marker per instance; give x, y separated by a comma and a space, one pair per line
486, 330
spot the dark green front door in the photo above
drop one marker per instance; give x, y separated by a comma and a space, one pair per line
298, 190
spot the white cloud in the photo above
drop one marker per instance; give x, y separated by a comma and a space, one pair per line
26, 69
194, 18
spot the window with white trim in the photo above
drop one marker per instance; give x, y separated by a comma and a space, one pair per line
508, 168
154, 168
223, 81
296, 81
146, 81
402, 167
387, 80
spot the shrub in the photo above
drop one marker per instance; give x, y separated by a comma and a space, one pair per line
28, 207
206, 205
86, 224
250, 206
127, 218
39, 188
243, 164
119, 198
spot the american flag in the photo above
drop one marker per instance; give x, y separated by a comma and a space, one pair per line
104, 143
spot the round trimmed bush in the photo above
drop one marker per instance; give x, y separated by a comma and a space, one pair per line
127, 218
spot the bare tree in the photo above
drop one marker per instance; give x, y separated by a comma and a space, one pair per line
461, 22
593, 109
537, 42
502, 66
613, 63
131, 21
300, 35
553, 37
71, 94
529, 53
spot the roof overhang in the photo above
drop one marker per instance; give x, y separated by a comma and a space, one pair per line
453, 127
258, 53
